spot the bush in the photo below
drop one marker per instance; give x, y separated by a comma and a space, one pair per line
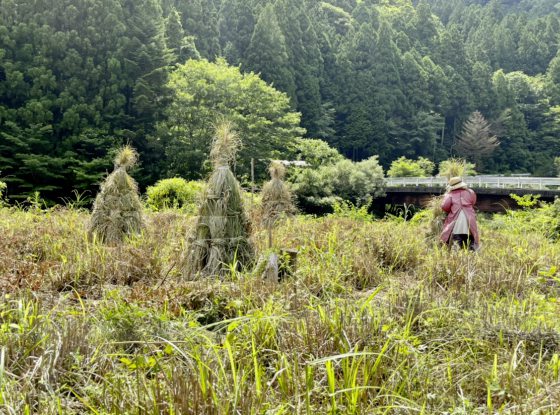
175, 193
454, 167
403, 167
345, 180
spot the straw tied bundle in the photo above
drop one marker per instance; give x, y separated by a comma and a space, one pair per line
276, 199
117, 210
221, 234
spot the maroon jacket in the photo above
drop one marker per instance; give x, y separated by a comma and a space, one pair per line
453, 203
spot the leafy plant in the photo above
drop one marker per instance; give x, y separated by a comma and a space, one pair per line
174, 193
344, 180
404, 167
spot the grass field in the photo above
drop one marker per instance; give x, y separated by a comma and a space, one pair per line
376, 320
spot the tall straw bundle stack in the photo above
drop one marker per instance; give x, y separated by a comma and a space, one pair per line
276, 199
221, 234
117, 210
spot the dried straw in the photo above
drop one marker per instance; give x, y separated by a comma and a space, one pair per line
225, 144
436, 217
117, 210
221, 234
277, 201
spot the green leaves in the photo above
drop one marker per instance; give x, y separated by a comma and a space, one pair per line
203, 92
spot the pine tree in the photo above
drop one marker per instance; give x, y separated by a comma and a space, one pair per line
267, 53
476, 140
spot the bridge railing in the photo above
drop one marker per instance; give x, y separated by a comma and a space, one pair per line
499, 182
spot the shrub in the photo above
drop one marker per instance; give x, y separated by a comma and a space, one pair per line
403, 167
345, 180
175, 193
454, 167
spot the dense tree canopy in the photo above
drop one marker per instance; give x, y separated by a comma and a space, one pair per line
203, 92
390, 78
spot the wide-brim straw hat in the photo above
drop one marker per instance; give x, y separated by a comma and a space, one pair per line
456, 183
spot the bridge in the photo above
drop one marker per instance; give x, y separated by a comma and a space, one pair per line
493, 192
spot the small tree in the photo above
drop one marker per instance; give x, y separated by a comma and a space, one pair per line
221, 234
476, 139
276, 199
117, 210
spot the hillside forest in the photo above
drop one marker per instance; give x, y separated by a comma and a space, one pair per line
392, 78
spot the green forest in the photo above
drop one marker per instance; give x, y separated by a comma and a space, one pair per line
392, 78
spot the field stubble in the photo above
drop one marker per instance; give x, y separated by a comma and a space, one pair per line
376, 320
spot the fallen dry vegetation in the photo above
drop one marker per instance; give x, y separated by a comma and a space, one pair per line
376, 320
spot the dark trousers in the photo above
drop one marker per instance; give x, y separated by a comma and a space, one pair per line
462, 240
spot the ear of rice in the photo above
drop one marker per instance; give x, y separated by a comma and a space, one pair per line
126, 157
225, 144
117, 210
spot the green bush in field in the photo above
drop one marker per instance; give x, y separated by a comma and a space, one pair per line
175, 193
403, 167
322, 187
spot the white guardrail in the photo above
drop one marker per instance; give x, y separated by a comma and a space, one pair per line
494, 182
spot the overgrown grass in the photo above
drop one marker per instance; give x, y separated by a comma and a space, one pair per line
376, 320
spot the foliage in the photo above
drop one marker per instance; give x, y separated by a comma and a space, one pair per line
386, 78
454, 167
535, 216
526, 201
203, 92
476, 140
316, 152
175, 193
70, 95
346, 209
403, 167
344, 180
557, 165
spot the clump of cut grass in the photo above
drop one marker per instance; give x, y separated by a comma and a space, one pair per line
221, 234
117, 210
277, 201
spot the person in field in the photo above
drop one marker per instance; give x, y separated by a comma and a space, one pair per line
459, 227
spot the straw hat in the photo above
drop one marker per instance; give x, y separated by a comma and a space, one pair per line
455, 183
